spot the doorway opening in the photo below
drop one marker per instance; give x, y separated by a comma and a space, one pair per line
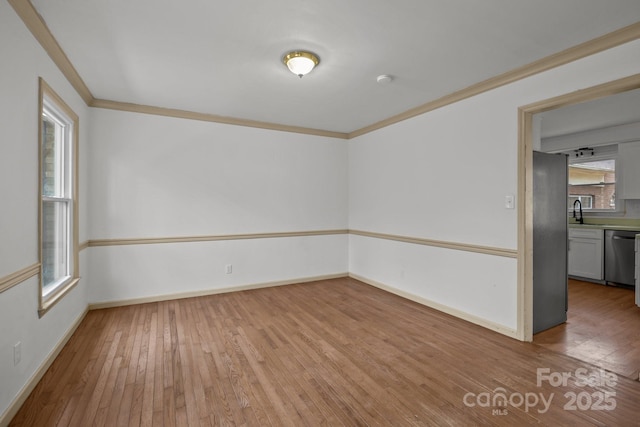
530, 140
527, 142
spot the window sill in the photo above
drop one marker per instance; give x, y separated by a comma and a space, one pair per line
56, 296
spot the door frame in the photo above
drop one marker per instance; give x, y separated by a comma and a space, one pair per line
525, 187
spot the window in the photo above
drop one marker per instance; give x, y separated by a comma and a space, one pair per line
585, 201
593, 182
58, 144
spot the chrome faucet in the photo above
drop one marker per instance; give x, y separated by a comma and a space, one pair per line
574, 211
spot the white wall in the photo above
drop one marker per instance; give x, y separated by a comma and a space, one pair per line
157, 176
444, 176
472, 284
23, 61
141, 271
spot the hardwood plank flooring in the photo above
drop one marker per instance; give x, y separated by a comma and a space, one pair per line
602, 328
335, 352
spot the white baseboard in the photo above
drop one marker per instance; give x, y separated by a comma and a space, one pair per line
26, 390
205, 292
512, 333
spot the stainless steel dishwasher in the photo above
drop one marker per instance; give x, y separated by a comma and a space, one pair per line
619, 257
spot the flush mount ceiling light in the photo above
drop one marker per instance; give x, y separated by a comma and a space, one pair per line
300, 62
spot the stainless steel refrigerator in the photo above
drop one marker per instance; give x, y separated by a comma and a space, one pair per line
550, 236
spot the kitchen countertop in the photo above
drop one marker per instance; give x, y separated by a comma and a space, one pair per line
607, 226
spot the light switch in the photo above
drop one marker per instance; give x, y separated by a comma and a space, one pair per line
510, 201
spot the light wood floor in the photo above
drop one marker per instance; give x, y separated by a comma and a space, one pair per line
335, 352
602, 328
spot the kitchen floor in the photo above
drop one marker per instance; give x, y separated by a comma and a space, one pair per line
603, 328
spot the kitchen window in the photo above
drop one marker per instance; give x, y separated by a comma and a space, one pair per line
593, 182
58, 147
585, 201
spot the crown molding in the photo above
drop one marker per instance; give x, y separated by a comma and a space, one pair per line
40, 31
38, 27
591, 47
191, 115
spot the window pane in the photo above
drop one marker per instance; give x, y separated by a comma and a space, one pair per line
593, 183
586, 201
55, 238
52, 158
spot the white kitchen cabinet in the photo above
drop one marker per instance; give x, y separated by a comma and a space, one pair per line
629, 158
586, 253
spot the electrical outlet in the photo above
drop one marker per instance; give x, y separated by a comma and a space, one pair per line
228, 269
17, 353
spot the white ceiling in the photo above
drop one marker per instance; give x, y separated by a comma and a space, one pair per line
224, 57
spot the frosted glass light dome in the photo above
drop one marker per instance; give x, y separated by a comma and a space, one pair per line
300, 63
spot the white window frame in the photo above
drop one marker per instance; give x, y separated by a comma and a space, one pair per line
65, 197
